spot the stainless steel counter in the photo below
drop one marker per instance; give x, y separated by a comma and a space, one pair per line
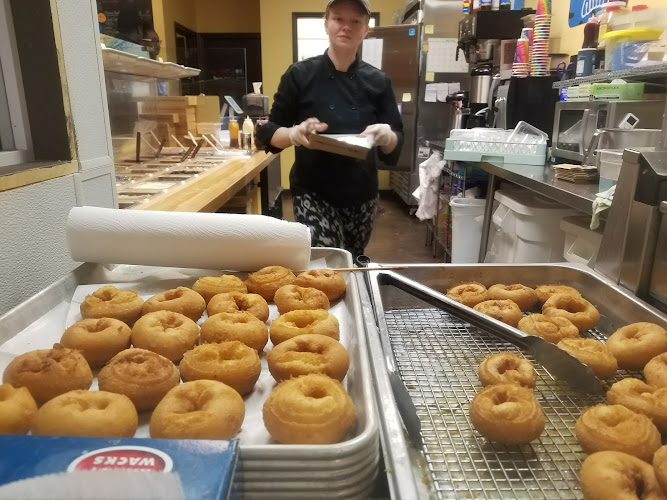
540, 179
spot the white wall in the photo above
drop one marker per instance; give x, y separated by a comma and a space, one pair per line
33, 248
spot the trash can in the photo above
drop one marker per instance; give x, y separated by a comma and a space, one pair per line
467, 217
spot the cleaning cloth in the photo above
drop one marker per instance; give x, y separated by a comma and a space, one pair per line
601, 203
429, 185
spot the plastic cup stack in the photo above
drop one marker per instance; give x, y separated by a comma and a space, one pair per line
521, 65
539, 58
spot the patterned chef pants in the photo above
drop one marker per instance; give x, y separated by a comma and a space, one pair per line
344, 227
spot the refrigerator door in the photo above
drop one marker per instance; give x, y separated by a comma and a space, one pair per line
400, 61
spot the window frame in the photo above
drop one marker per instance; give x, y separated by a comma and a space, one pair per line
310, 15
15, 138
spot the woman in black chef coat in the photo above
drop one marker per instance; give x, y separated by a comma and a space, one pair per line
336, 196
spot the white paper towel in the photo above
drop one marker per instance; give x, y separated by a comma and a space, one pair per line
180, 239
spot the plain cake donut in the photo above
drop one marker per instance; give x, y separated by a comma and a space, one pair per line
110, 302
641, 398
17, 409
167, 333
507, 368
578, 310
143, 376
613, 475
544, 292
507, 414
209, 286
87, 413
593, 354
294, 297
636, 344
232, 363
47, 373
660, 466
306, 354
293, 323
329, 281
469, 294
552, 329
655, 371
267, 280
99, 340
241, 326
181, 300
523, 296
502, 310
617, 428
201, 409
311, 409
238, 302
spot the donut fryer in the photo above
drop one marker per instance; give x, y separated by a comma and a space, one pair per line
435, 353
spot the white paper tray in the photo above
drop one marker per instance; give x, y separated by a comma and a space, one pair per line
266, 469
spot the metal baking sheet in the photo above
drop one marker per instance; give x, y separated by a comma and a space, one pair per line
268, 469
438, 356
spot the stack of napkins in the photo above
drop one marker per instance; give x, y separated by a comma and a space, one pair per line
576, 173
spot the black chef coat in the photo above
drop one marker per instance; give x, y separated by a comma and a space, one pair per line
348, 102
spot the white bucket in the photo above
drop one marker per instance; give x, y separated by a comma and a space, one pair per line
467, 217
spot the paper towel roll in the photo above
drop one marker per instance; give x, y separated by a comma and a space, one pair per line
179, 239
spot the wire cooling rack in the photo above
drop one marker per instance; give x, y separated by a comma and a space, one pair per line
438, 356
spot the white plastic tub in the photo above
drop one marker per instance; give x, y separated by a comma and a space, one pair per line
527, 228
467, 217
581, 243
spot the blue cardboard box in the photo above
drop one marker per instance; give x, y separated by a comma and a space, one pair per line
206, 468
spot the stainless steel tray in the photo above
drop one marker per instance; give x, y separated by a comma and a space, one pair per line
344, 470
437, 356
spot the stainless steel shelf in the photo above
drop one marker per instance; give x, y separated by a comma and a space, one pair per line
646, 73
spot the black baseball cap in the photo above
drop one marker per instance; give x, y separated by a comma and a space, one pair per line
364, 4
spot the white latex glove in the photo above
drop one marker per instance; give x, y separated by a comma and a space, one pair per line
298, 134
380, 132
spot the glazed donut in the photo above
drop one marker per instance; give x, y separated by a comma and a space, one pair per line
660, 466
17, 409
608, 475
507, 368
267, 280
521, 295
552, 329
578, 310
640, 397
295, 323
202, 409
507, 414
232, 363
502, 310
167, 333
636, 344
593, 354
99, 340
110, 302
655, 371
311, 409
311, 353
241, 326
210, 286
544, 292
329, 281
293, 297
87, 413
181, 300
47, 373
143, 376
237, 301
617, 428
469, 294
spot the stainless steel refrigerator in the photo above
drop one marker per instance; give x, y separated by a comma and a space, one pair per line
404, 53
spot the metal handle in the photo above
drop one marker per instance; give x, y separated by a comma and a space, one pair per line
595, 140
584, 126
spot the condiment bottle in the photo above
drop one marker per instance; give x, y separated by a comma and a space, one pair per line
233, 132
248, 129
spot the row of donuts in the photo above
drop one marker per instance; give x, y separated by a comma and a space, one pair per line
144, 377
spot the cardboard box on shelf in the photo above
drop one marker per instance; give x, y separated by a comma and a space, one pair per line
342, 144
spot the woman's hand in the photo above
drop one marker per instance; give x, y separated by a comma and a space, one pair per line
298, 134
383, 136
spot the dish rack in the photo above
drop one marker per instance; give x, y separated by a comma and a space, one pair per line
437, 355
509, 152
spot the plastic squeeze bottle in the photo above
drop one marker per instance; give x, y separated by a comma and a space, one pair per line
233, 132
248, 128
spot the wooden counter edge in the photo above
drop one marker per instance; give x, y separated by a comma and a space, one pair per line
212, 189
